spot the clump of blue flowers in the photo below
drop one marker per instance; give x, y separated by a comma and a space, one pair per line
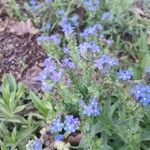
142, 93
34, 145
124, 75
56, 126
88, 47
70, 124
50, 75
68, 63
92, 30
91, 5
68, 24
105, 62
91, 109
54, 38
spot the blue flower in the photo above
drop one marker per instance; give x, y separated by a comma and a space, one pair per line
87, 46
125, 75
109, 42
50, 75
34, 145
71, 124
33, 2
49, 64
60, 12
54, 38
66, 25
59, 137
56, 75
46, 87
56, 126
74, 20
104, 63
142, 93
43, 38
67, 28
65, 50
48, 1
67, 63
107, 16
91, 5
91, 30
92, 109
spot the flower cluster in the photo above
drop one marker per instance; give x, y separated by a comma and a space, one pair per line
92, 109
60, 12
48, 1
142, 93
49, 75
91, 5
67, 63
70, 124
97, 28
105, 62
65, 50
33, 2
36, 5
56, 126
88, 46
125, 75
34, 145
67, 25
53, 38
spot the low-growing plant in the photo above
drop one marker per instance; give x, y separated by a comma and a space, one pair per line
95, 90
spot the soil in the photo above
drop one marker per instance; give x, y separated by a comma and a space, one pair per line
19, 55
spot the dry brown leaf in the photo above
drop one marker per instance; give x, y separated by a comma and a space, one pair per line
30, 79
21, 28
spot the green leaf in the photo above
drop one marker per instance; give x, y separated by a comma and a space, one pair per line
44, 107
20, 91
145, 135
145, 61
2, 146
96, 128
12, 82
24, 135
14, 135
19, 108
5, 90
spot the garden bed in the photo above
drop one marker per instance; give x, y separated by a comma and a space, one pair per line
75, 75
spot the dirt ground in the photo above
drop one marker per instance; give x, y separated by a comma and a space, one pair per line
19, 53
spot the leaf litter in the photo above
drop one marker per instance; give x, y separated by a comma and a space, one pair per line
19, 52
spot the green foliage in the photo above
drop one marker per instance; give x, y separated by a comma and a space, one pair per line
123, 123
10, 99
44, 107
